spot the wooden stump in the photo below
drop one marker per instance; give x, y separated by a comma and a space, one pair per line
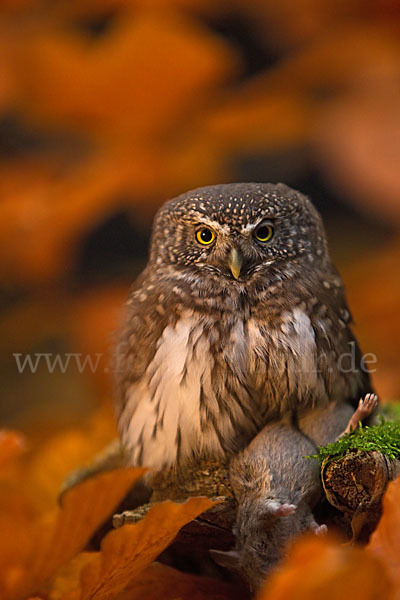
355, 484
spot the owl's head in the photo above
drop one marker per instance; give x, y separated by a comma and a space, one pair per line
239, 230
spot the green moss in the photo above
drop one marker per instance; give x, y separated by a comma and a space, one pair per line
384, 438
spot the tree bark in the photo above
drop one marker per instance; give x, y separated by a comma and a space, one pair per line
355, 484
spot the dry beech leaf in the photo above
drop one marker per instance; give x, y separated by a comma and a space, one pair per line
17, 6
119, 88
162, 582
64, 452
16, 543
358, 143
259, 119
67, 577
94, 319
8, 79
127, 551
385, 541
65, 9
40, 237
43, 214
278, 107
16, 513
333, 60
146, 73
321, 568
375, 271
56, 538
156, 582
12, 445
296, 22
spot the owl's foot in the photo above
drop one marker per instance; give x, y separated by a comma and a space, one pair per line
365, 408
130, 516
280, 509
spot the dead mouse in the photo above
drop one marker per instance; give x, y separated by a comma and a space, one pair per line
277, 488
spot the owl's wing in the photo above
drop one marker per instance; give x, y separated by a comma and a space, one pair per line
143, 374
335, 338
142, 326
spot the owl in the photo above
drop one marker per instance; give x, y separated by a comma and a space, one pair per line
238, 319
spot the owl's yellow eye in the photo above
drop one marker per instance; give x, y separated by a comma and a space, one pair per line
205, 236
264, 232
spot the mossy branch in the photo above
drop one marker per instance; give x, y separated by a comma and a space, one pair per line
355, 471
384, 438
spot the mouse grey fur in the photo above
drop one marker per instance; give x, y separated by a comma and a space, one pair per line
277, 488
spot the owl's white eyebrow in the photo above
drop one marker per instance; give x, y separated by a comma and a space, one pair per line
251, 226
214, 225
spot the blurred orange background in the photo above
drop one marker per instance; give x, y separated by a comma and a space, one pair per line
109, 107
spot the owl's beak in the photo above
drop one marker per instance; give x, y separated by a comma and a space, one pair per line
235, 262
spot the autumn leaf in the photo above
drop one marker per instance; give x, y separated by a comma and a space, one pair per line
278, 106
56, 537
154, 582
160, 581
127, 80
12, 445
256, 119
127, 551
67, 10
113, 106
124, 86
375, 271
332, 60
294, 23
384, 543
358, 142
67, 577
8, 79
59, 454
95, 318
16, 514
321, 568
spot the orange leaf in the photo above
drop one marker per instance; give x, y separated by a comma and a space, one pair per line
257, 119
378, 325
160, 581
67, 578
64, 452
40, 239
141, 77
56, 538
12, 445
155, 582
385, 541
96, 316
320, 568
358, 143
49, 229
126, 552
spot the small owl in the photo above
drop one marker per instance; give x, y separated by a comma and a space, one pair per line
238, 319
